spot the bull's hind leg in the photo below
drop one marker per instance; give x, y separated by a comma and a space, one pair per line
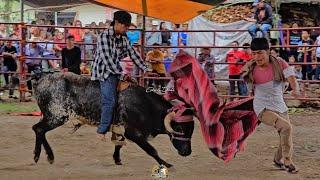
116, 155
148, 148
40, 130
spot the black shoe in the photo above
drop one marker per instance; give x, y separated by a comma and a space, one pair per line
278, 164
291, 168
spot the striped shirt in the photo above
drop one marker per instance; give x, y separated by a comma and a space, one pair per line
111, 49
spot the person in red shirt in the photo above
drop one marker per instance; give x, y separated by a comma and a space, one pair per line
235, 56
246, 53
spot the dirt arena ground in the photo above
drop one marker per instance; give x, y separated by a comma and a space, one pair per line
81, 156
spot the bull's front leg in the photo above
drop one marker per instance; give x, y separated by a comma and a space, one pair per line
142, 142
116, 155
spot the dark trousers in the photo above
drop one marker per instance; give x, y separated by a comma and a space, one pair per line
242, 87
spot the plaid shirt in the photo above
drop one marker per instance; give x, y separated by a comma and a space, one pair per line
110, 51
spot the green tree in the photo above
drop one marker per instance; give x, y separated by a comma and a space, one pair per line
5, 9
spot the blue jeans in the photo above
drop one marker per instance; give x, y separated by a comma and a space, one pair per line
242, 87
264, 28
108, 90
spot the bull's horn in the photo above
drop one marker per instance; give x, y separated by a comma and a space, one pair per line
167, 123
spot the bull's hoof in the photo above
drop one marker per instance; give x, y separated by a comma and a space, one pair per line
168, 165
36, 158
50, 159
118, 163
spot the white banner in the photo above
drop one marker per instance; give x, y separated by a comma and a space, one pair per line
221, 39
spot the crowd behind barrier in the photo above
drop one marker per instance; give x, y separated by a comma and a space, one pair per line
24, 47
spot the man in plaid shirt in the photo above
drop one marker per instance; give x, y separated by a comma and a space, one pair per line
112, 46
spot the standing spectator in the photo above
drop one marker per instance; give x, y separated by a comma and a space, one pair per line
89, 37
59, 38
262, 19
165, 35
317, 77
76, 32
3, 31
235, 58
155, 57
153, 37
184, 35
36, 51
175, 38
51, 29
34, 31
274, 53
167, 59
71, 57
297, 68
305, 55
294, 39
9, 53
247, 53
133, 35
207, 61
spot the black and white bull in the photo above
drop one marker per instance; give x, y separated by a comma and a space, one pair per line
142, 114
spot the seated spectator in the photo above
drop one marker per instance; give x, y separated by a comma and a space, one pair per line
235, 58
155, 57
48, 52
9, 53
294, 39
262, 19
71, 57
207, 61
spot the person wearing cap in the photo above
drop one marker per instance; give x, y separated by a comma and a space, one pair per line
153, 37
112, 46
268, 76
262, 19
71, 57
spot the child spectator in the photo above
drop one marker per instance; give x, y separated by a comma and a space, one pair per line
155, 57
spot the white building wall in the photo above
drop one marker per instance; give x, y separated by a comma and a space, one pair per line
95, 13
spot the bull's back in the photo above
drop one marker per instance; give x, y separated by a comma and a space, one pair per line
73, 95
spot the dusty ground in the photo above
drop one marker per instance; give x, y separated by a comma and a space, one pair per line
81, 156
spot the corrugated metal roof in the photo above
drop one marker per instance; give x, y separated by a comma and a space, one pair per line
42, 3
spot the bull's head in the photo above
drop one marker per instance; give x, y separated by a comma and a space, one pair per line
180, 130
